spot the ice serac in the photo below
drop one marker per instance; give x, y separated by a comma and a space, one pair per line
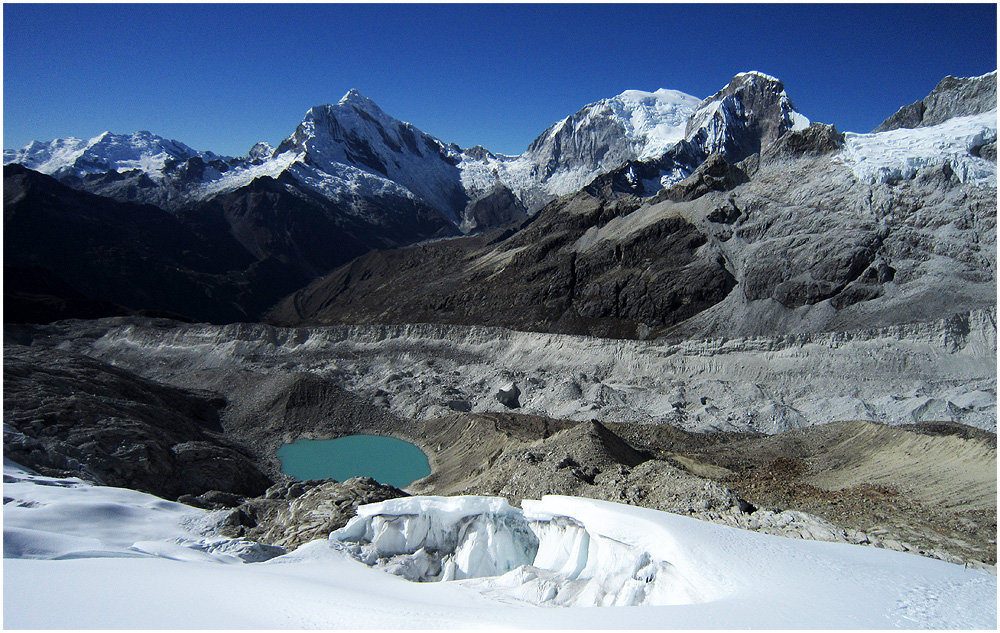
952, 132
440, 538
533, 555
956, 147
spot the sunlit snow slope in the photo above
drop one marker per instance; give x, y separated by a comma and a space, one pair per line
83, 556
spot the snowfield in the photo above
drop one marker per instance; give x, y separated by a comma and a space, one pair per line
83, 556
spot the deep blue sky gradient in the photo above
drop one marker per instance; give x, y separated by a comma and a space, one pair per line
221, 77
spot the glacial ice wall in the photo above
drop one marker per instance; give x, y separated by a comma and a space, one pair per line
533, 555
899, 154
440, 538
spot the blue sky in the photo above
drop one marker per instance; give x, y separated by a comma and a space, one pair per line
222, 77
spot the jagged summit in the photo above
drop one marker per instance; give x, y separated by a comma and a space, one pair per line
355, 134
749, 113
260, 152
756, 74
354, 97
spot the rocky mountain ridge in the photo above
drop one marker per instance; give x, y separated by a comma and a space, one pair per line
952, 97
72, 253
677, 242
813, 231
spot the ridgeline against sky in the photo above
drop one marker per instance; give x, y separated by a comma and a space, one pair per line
222, 77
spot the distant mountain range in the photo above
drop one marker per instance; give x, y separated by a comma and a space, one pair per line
354, 155
145, 223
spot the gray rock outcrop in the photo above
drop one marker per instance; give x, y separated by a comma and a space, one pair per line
293, 513
714, 174
815, 140
498, 207
69, 415
952, 97
509, 396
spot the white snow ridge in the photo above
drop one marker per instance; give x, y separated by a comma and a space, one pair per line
80, 556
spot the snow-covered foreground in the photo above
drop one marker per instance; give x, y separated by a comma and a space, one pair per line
84, 556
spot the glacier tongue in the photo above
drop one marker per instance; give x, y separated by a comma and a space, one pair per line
536, 556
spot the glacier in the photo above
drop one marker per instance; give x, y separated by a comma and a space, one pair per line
903, 374
899, 154
80, 556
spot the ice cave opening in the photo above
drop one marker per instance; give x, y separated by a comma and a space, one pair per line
529, 553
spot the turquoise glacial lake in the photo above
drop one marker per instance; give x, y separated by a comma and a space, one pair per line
387, 460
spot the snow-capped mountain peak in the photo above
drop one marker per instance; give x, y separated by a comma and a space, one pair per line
643, 120
355, 132
353, 150
600, 137
756, 75
260, 152
747, 114
141, 150
354, 98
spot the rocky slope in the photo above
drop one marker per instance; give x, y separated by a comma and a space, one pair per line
70, 253
106, 257
843, 482
69, 415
